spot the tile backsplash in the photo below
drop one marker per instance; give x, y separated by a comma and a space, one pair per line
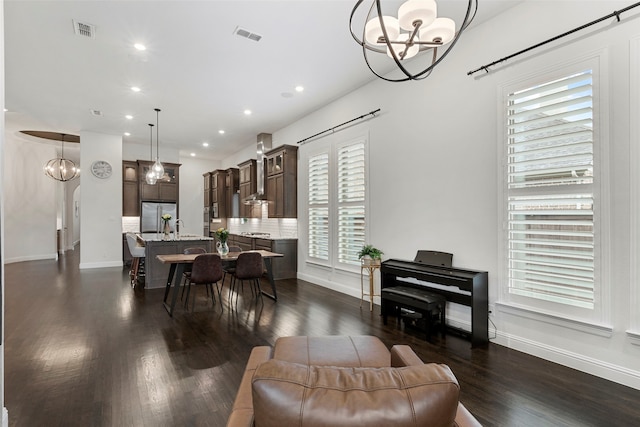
276, 227
130, 224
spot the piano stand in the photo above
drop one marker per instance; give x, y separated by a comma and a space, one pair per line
426, 303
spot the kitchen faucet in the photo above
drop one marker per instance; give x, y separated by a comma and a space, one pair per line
178, 222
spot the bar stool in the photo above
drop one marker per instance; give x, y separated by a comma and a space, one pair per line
138, 253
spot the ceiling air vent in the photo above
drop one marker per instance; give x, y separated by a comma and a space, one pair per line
83, 29
96, 113
247, 34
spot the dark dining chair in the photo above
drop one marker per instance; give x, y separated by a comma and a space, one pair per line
187, 268
229, 266
248, 267
207, 271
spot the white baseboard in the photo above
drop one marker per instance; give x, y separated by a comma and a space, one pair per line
106, 264
335, 286
31, 258
599, 368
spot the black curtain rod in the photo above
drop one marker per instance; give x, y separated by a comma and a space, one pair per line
615, 14
370, 113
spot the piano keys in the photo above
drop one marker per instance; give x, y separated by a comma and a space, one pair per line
460, 286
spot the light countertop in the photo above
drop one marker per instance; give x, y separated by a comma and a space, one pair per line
158, 237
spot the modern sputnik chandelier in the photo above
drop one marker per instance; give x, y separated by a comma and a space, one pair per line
416, 29
61, 169
150, 177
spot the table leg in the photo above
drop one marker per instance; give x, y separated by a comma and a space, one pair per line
274, 296
172, 271
176, 288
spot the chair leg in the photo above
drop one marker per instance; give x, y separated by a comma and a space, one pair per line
188, 286
219, 288
258, 288
231, 286
133, 273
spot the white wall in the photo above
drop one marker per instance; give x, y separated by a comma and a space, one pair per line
434, 169
101, 202
5, 416
29, 200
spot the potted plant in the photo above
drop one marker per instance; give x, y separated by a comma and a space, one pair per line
369, 254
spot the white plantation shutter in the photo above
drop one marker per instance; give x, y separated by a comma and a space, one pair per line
550, 202
351, 202
319, 206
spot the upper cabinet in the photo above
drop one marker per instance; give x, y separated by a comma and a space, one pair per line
281, 167
232, 183
207, 189
248, 186
165, 189
218, 207
130, 189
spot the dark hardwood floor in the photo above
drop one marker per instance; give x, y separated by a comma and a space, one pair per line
84, 349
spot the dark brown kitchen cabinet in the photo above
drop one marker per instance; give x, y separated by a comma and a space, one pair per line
287, 266
218, 203
248, 186
232, 183
207, 189
243, 242
165, 189
281, 166
130, 189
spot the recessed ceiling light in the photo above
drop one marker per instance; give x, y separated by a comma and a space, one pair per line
299, 88
128, 116
193, 154
205, 144
221, 132
127, 134
135, 88
247, 112
6, 109
140, 46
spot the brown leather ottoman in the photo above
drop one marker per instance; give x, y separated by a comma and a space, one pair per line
345, 351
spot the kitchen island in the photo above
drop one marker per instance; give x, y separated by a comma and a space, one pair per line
156, 273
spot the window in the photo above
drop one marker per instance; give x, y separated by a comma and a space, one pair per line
319, 207
337, 208
551, 239
351, 210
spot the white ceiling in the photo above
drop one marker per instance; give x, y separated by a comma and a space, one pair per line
195, 69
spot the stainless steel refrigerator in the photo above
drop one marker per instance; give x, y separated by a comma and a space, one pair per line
150, 221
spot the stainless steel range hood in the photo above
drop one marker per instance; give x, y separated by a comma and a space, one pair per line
264, 145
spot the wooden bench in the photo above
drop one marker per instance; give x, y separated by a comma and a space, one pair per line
426, 303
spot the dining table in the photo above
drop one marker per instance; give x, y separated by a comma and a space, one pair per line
179, 261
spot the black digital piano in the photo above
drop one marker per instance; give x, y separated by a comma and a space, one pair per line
473, 284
